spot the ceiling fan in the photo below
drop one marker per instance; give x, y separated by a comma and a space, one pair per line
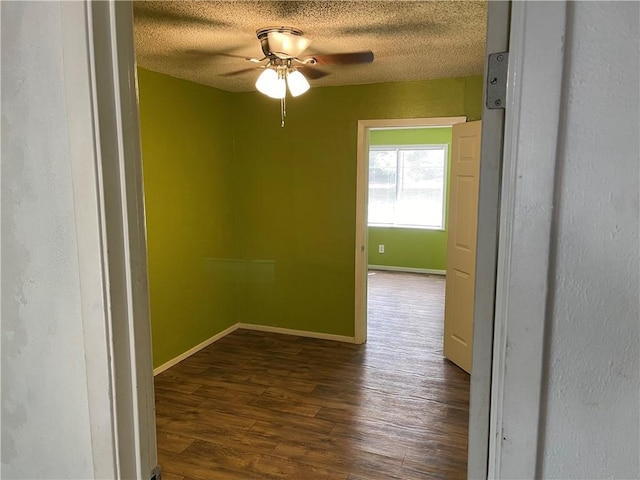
285, 66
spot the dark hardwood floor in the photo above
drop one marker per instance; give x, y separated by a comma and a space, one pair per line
260, 406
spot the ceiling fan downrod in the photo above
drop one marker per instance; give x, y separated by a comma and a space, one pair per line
283, 111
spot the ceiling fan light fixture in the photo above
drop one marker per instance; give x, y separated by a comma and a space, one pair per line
271, 84
298, 84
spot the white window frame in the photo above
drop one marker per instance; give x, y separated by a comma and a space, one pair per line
445, 186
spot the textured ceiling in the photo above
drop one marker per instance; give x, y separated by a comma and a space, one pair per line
411, 40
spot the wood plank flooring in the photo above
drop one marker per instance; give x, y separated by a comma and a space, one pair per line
266, 406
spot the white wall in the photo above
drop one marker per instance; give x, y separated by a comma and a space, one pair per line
56, 398
44, 386
592, 400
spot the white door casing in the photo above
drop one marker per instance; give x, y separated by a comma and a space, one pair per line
532, 121
119, 164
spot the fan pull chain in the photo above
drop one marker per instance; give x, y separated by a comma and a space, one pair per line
283, 111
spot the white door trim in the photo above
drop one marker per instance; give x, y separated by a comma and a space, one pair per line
90, 230
362, 192
531, 128
122, 230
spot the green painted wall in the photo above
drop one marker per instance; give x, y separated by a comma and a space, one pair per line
297, 196
473, 98
410, 247
253, 223
187, 145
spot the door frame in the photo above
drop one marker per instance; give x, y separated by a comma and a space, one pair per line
362, 196
532, 121
120, 225
525, 215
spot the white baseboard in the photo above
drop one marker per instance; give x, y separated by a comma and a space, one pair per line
429, 271
248, 326
299, 333
195, 349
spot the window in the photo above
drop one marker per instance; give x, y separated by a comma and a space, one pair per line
407, 185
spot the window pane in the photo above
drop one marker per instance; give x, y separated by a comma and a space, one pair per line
421, 187
382, 185
406, 186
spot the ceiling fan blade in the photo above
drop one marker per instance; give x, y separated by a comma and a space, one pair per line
312, 73
365, 56
239, 72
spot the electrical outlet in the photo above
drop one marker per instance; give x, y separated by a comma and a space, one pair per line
380, 248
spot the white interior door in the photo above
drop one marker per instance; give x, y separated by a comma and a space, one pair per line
461, 243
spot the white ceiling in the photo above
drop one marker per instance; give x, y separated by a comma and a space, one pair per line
411, 40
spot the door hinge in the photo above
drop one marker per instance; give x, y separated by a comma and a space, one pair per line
497, 80
156, 473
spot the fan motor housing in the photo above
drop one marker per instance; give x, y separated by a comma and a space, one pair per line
272, 44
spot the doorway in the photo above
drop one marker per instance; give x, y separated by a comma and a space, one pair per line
365, 127
360, 330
